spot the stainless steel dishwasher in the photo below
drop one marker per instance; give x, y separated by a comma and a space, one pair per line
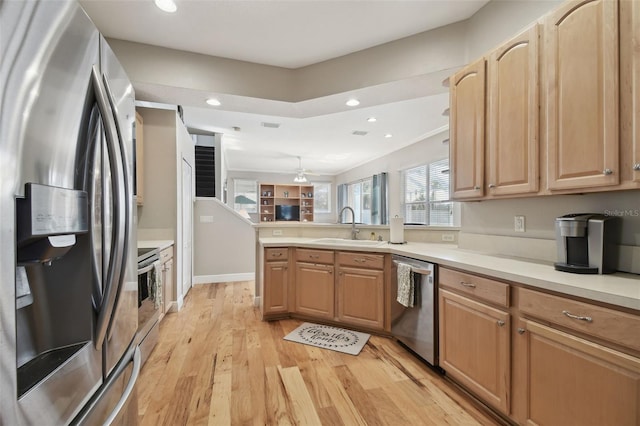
417, 327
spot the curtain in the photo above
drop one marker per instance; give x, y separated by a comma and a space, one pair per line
379, 202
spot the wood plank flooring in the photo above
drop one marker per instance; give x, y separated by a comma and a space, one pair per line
217, 363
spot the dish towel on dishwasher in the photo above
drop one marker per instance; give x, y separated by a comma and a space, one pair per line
405, 285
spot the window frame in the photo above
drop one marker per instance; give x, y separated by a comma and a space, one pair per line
428, 203
249, 208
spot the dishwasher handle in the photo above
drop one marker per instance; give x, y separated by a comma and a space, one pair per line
417, 270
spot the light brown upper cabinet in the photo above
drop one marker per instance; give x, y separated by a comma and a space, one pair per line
630, 89
467, 128
581, 89
512, 119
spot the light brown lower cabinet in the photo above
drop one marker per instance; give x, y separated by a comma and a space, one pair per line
276, 294
314, 290
475, 347
166, 268
567, 380
361, 297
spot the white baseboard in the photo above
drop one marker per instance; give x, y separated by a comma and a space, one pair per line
223, 278
256, 301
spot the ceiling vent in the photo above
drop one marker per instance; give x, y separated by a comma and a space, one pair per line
271, 125
359, 132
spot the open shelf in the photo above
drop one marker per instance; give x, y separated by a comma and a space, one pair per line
274, 195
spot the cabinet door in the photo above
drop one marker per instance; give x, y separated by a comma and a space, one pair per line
571, 381
581, 56
630, 87
512, 119
474, 347
361, 297
167, 280
467, 127
314, 290
276, 285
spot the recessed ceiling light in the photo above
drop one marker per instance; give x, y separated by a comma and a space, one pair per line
166, 5
213, 102
388, 135
353, 102
372, 119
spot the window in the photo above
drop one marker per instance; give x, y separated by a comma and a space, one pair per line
322, 197
426, 194
245, 193
367, 197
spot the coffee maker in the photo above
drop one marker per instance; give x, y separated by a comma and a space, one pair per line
587, 243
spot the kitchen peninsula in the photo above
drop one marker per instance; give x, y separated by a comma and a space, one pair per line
511, 311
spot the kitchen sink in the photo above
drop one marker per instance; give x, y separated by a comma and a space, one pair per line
347, 242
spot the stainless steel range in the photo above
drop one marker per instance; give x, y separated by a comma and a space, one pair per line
149, 299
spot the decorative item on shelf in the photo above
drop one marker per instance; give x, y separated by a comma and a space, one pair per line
286, 194
310, 195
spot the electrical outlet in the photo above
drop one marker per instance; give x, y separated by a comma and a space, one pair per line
448, 237
518, 224
277, 232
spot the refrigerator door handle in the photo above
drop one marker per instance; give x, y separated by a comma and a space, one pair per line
124, 208
115, 269
137, 364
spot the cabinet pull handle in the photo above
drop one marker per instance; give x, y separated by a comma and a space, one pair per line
492, 185
607, 171
360, 260
578, 317
470, 285
501, 323
314, 256
277, 254
521, 330
636, 166
476, 187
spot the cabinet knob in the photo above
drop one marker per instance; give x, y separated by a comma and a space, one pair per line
636, 166
501, 323
492, 185
607, 171
521, 330
476, 187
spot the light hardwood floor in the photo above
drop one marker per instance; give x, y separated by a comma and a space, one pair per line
217, 363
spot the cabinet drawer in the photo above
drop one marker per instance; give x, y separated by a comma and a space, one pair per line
361, 260
276, 253
314, 256
481, 288
166, 254
604, 323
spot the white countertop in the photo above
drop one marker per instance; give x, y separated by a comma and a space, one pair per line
620, 289
160, 244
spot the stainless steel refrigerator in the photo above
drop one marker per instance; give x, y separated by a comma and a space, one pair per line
68, 282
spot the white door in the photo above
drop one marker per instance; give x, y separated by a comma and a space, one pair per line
187, 227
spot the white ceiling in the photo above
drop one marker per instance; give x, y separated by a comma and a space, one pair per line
290, 34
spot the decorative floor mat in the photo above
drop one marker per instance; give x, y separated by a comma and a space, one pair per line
324, 336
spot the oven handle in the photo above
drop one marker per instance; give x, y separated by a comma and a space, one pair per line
145, 269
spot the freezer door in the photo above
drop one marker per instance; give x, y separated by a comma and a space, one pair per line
49, 366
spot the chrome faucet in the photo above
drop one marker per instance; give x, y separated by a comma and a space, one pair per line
354, 231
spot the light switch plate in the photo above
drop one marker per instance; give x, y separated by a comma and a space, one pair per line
448, 237
206, 219
519, 223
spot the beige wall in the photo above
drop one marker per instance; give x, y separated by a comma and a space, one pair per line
224, 243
